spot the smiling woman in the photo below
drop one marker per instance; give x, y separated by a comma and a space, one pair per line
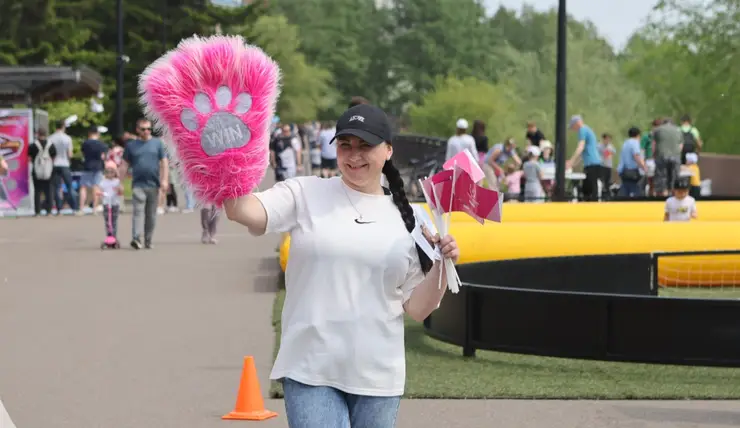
355, 270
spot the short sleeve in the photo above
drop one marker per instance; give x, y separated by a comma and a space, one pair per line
281, 205
127, 154
413, 277
161, 154
582, 134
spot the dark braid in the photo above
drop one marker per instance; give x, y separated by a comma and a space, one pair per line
395, 185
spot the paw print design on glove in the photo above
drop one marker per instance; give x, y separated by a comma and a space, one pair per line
214, 99
224, 129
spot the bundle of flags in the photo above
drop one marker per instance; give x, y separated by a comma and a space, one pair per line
456, 188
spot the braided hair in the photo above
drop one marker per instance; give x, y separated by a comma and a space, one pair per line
395, 185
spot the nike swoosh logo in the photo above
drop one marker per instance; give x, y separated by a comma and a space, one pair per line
363, 222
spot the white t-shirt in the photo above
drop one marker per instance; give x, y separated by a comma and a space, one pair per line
346, 283
680, 209
458, 143
328, 149
110, 187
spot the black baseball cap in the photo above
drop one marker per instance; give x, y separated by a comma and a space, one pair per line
367, 122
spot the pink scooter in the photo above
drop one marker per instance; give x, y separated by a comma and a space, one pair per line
110, 240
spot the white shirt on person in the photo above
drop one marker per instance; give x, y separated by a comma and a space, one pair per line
680, 209
458, 143
110, 187
328, 148
346, 283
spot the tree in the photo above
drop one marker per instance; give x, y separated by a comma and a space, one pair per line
687, 65
306, 89
468, 98
348, 38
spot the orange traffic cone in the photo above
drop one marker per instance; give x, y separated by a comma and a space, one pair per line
249, 403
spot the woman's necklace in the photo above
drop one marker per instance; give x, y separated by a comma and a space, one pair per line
358, 220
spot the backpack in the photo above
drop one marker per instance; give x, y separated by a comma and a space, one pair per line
689, 142
43, 165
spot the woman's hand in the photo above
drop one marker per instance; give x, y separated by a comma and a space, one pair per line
447, 245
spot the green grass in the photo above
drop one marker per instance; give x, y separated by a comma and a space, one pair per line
438, 370
700, 292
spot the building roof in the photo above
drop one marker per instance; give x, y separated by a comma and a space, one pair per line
40, 84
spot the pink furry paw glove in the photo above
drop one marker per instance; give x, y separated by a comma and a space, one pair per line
214, 99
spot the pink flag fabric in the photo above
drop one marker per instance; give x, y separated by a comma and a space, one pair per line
478, 202
468, 163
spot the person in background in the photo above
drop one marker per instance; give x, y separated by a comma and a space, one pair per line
93, 154
607, 150
110, 191
149, 171
547, 162
328, 150
534, 136
209, 216
42, 170
533, 189
692, 142
646, 144
630, 164
667, 140
481, 140
62, 172
461, 141
692, 167
680, 206
588, 149
500, 154
285, 154
513, 182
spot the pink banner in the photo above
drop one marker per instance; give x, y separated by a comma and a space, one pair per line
15, 132
478, 202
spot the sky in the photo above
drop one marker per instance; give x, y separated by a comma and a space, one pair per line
615, 19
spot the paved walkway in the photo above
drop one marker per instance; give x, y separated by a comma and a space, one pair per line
155, 339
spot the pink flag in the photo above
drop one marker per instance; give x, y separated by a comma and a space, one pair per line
431, 181
468, 163
478, 202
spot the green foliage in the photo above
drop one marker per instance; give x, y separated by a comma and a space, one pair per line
525, 91
306, 89
688, 65
468, 98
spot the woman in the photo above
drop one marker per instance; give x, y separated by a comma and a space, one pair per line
354, 271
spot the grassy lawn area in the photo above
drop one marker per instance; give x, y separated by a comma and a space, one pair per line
701, 292
438, 370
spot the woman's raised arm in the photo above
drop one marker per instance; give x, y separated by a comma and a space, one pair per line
248, 211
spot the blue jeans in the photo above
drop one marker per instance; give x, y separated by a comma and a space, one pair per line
630, 189
325, 407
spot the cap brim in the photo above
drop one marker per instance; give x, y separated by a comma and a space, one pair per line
365, 136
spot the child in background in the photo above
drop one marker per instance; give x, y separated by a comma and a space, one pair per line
110, 190
533, 190
695, 181
547, 165
680, 206
208, 220
513, 182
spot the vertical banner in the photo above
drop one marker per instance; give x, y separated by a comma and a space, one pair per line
16, 133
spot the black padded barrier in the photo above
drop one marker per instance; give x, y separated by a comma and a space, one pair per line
587, 325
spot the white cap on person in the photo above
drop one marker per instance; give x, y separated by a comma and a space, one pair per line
462, 124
